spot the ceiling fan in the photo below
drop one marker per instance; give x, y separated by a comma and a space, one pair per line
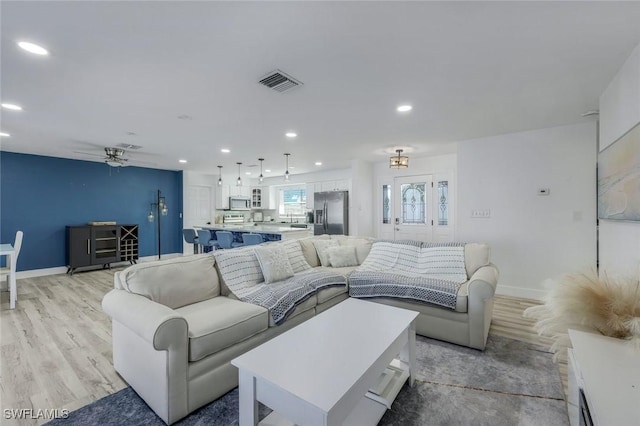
114, 157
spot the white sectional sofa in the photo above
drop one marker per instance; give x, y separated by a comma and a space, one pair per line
178, 323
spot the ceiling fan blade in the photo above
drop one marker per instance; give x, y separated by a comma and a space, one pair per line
89, 153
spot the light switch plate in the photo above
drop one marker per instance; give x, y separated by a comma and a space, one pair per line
481, 213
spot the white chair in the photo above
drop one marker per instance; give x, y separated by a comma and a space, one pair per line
17, 244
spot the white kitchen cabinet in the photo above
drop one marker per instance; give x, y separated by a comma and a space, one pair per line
310, 191
257, 199
335, 185
222, 197
239, 191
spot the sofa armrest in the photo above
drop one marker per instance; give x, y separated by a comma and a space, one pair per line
482, 288
482, 284
151, 351
153, 322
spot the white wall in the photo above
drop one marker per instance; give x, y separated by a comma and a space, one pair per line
532, 237
361, 199
319, 176
619, 112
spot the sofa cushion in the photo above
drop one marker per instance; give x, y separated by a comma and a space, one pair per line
331, 292
239, 267
274, 263
174, 282
221, 322
321, 248
475, 257
362, 245
309, 250
342, 256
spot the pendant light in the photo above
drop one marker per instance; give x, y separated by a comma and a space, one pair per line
261, 178
219, 175
286, 173
239, 181
399, 161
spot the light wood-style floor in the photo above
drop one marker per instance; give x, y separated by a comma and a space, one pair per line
55, 347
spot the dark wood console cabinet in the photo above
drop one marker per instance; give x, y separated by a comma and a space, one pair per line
101, 245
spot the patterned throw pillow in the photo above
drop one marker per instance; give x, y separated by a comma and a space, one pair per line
321, 248
342, 256
274, 263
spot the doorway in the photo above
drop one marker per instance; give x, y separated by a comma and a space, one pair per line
416, 208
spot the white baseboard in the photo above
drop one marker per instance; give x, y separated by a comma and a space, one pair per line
525, 293
32, 273
41, 272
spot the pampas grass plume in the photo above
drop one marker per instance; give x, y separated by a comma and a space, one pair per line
588, 301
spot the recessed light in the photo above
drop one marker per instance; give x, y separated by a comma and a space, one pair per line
404, 108
247, 173
33, 48
12, 106
182, 161
267, 170
318, 163
225, 150
292, 167
291, 134
6, 135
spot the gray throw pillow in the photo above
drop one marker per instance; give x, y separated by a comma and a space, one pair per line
274, 263
342, 256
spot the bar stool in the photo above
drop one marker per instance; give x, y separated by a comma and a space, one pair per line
205, 240
225, 240
251, 239
191, 237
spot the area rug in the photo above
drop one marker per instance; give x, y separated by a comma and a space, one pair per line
510, 383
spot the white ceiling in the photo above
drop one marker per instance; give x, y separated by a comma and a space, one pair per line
470, 69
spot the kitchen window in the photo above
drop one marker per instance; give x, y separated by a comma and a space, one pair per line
293, 203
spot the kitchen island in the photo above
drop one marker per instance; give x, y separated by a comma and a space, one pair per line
268, 232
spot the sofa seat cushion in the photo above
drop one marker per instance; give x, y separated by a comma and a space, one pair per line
221, 322
174, 282
331, 292
365, 284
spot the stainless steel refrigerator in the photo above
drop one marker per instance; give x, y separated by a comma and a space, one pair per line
331, 213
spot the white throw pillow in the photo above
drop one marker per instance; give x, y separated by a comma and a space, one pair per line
342, 256
362, 245
274, 263
321, 248
294, 253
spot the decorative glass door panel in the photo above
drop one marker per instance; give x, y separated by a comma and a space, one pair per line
386, 204
413, 208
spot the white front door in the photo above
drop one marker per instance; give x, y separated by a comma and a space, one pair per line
413, 209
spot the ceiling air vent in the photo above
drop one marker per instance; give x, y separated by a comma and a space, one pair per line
279, 81
128, 146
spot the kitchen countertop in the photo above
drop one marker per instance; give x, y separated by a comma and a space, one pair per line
250, 227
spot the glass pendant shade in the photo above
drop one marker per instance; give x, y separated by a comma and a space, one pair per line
399, 161
286, 173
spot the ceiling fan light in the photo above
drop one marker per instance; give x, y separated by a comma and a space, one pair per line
113, 163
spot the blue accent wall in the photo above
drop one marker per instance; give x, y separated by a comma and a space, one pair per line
42, 195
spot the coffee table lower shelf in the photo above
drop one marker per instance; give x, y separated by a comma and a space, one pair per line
372, 406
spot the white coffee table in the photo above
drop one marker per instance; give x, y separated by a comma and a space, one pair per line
333, 369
